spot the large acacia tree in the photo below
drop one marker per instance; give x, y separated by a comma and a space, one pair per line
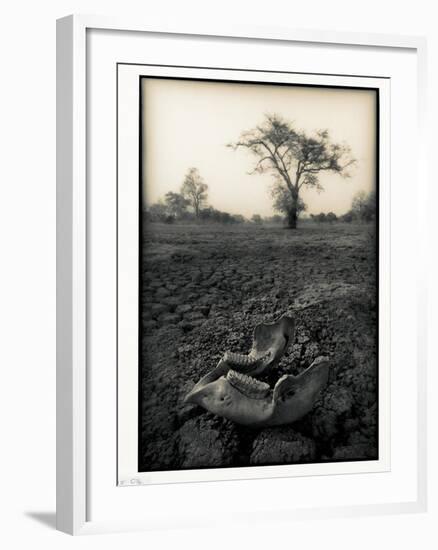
194, 190
294, 158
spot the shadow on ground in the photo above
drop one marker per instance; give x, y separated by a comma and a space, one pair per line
45, 518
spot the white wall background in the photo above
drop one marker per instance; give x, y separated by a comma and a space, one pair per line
27, 269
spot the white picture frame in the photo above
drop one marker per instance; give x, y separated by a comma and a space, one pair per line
87, 496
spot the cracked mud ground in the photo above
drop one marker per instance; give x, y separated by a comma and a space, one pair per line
204, 288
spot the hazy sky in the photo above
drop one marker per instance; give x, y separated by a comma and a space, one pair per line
188, 123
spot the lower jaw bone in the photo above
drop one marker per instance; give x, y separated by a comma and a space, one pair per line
251, 402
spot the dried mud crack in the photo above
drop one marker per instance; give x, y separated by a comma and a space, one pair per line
204, 289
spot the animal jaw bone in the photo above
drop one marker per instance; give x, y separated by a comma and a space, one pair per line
248, 401
230, 389
270, 342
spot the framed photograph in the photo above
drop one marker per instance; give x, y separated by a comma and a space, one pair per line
235, 306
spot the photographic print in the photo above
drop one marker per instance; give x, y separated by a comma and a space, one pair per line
258, 274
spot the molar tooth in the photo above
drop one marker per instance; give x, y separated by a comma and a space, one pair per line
240, 358
247, 385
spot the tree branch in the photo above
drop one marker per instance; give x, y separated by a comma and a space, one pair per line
259, 163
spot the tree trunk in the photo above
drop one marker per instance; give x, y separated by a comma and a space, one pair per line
292, 218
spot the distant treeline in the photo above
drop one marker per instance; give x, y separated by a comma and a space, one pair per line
159, 212
363, 209
190, 205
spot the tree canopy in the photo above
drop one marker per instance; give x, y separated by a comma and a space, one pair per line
194, 190
294, 158
176, 204
363, 206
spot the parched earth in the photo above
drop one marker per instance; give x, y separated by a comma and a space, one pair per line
205, 287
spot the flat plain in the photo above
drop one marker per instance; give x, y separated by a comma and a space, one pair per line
203, 290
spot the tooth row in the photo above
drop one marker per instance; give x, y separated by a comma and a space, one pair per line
239, 358
248, 385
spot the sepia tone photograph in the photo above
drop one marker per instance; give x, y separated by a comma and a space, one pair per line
258, 274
